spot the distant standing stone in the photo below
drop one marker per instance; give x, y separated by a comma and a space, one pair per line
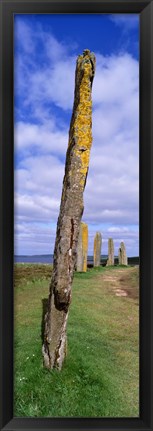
82, 249
97, 248
122, 257
110, 260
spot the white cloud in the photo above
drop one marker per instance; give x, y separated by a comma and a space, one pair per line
42, 137
37, 238
116, 78
31, 239
23, 35
52, 77
114, 229
127, 21
55, 82
127, 234
111, 194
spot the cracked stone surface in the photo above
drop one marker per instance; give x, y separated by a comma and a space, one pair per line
71, 210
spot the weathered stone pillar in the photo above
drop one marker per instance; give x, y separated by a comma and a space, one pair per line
122, 257
110, 260
82, 249
119, 256
97, 248
71, 210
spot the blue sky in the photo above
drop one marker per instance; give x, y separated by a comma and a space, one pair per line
45, 52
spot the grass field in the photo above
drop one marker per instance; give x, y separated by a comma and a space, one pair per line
100, 377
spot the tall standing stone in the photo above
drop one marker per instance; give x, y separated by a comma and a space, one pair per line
71, 210
82, 249
97, 248
110, 260
122, 257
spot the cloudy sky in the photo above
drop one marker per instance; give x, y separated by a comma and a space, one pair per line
45, 51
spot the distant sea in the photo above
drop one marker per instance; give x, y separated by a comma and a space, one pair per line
42, 258
48, 259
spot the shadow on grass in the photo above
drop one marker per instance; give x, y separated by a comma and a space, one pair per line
44, 311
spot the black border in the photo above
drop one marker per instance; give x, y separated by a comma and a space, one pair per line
7, 10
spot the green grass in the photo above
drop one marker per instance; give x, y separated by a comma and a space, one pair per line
100, 374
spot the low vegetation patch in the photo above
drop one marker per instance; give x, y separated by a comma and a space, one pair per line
30, 272
100, 377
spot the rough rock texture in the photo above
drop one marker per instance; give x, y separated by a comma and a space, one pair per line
82, 249
110, 260
122, 257
97, 248
71, 210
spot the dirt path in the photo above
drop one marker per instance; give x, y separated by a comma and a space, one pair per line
123, 281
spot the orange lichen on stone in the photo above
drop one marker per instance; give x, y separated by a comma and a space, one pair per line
82, 250
82, 126
85, 245
71, 210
